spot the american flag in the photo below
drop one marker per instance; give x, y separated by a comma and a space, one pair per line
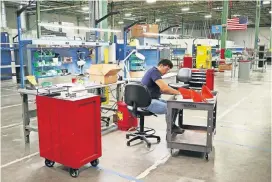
237, 23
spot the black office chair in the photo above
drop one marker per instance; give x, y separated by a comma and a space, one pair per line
138, 97
183, 78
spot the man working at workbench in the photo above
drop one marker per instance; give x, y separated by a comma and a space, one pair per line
156, 86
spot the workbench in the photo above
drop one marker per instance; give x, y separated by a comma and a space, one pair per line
195, 138
27, 114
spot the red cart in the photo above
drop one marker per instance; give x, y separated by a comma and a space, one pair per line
69, 131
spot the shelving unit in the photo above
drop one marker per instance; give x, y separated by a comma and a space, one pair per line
45, 64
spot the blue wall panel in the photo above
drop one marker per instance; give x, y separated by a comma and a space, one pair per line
65, 52
151, 57
5, 57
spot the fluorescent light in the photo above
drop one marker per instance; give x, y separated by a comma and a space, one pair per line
161, 34
218, 8
185, 9
120, 22
158, 20
86, 18
236, 15
208, 16
127, 14
151, 1
270, 12
78, 28
85, 8
266, 2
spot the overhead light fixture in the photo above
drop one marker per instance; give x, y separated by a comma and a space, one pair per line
127, 14
78, 28
266, 2
151, 1
86, 18
161, 34
85, 8
270, 12
185, 9
120, 22
235, 15
218, 8
208, 16
158, 20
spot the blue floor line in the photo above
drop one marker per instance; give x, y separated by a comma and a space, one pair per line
130, 178
247, 146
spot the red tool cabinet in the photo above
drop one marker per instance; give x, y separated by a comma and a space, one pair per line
69, 131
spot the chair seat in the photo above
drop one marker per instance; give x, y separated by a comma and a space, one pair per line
179, 85
141, 112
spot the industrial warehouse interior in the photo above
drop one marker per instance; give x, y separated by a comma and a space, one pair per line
136, 90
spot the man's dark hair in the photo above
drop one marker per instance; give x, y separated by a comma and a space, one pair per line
166, 62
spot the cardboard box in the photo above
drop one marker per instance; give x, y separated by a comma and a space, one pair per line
225, 67
104, 73
139, 30
136, 74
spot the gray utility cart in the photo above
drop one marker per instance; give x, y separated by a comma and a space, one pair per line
195, 138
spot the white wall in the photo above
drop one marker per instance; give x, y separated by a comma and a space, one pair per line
249, 36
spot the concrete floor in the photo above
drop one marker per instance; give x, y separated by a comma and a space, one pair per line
242, 145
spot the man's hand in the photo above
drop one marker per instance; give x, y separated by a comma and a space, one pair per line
165, 88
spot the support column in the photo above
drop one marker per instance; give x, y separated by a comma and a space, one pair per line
224, 28
257, 24
78, 32
182, 27
112, 25
38, 19
104, 12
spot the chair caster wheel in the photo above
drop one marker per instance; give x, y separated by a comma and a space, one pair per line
158, 140
127, 136
148, 145
74, 172
128, 144
107, 124
95, 162
49, 163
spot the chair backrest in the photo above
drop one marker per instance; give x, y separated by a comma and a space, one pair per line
184, 75
137, 95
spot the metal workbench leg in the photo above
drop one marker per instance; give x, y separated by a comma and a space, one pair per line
119, 92
180, 118
169, 122
209, 130
214, 116
25, 115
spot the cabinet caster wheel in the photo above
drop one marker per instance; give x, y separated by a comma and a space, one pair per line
128, 144
148, 145
74, 172
95, 162
206, 157
49, 163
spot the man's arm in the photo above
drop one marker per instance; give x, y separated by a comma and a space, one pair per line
165, 88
